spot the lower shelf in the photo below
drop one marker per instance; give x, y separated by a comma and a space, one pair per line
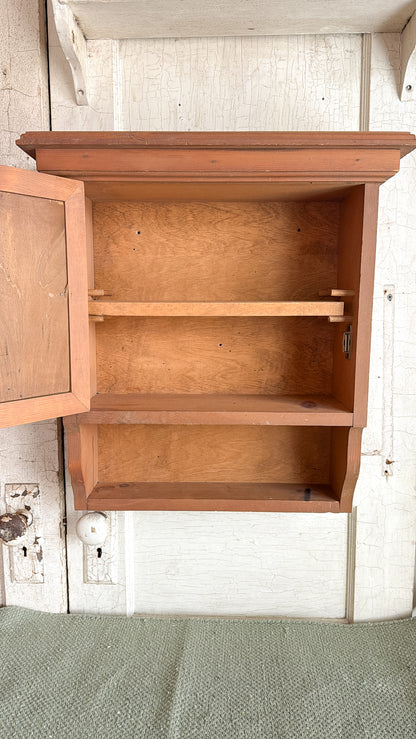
212, 467
211, 496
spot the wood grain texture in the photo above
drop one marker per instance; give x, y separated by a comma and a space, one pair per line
267, 356
229, 308
65, 242
218, 192
214, 454
33, 141
173, 496
82, 460
199, 165
90, 281
34, 359
206, 251
345, 464
356, 268
78, 260
216, 409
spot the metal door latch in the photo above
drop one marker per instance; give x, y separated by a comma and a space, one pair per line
347, 342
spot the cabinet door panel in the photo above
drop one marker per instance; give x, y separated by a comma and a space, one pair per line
43, 298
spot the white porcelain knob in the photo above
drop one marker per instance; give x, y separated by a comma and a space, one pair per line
92, 528
14, 527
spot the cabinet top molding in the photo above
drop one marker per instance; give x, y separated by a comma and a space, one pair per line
34, 140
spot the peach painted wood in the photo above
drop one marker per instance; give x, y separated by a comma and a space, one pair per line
217, 164
208, 496
345, 464
216, 409
336, 293
33, 298
262, 191
229, 308
82, 460
242, 356
32, 141
174, 453
47, 277
90, 281
356, 262
205, 251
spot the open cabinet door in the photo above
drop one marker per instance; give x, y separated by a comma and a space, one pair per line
44, 335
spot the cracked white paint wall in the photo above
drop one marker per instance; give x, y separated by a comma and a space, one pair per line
279, 564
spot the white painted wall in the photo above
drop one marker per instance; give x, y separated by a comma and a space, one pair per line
386, 507
277, 564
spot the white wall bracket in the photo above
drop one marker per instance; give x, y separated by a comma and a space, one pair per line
74, 46
407, 90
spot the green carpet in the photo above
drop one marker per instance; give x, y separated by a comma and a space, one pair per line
156, 678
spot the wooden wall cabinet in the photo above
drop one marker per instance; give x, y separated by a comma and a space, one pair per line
201, 317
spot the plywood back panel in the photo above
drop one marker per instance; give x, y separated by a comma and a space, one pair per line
215, 251
212, 453
279, 356
34, 355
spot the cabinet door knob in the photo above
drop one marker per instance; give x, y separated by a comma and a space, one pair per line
14, 527
92, 528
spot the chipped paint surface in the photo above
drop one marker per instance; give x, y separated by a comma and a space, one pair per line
100, 562
26, 559
386, 504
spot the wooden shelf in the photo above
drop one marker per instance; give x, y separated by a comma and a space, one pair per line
226, 308
208, 496
163, 408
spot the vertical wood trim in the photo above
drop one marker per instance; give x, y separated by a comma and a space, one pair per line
82, 460
129, 552
90, 278
388, 375
77, 264
117, 87
351, 562
365, 87
365, 303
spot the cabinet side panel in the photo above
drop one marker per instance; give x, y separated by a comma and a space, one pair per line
357, 243
365, 303
34, 357
345, 464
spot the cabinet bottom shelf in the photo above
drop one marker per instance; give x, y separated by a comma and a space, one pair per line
213, 496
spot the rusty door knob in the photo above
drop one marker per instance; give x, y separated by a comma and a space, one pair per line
14, 527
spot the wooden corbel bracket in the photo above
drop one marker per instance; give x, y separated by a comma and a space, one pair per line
74, 46
407, 91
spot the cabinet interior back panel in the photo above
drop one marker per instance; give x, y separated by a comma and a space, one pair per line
282, 356
213, 453
215, 251
34, 353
